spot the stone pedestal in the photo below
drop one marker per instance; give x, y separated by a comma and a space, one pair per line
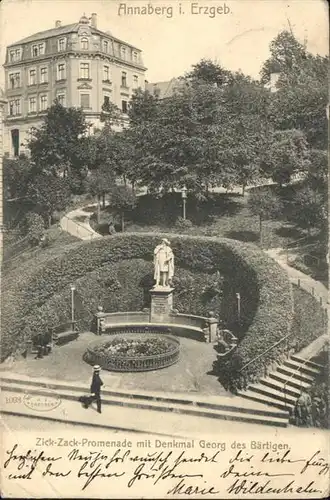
161, 303
213, 325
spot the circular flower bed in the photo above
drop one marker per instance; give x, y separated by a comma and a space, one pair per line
132, 353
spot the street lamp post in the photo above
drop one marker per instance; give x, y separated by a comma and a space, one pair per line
238, 298
73, 288
184, 199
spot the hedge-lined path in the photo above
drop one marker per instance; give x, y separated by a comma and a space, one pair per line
307, 283
77, 224
190, 374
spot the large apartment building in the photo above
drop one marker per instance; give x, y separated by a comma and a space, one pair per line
77, 64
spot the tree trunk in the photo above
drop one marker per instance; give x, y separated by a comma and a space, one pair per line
103, 200
98, 214
122, 222
124, 179
243, 189
49, 220
260, 230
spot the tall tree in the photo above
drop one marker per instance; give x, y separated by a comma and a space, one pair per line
59, 145
302, 96
286, 155
100, 182
208, 72
16, 174
49, 193
287, 56
122, 198
111, 115
265, 205
309, 209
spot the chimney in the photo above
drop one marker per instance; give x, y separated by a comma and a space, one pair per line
58, 24
94, 20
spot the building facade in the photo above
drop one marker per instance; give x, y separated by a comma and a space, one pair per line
78, 65
2, 110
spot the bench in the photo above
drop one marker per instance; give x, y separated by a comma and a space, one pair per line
64, 333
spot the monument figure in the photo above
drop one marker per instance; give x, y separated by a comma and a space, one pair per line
164, 264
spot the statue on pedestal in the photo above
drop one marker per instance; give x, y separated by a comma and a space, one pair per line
164, 264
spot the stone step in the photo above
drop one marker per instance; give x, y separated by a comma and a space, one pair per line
298, 375
275, 394
267, 400
310, 363
209, 402
292, 381
281, 386
300, 366
229, 413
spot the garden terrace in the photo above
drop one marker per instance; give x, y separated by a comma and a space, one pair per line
266, 297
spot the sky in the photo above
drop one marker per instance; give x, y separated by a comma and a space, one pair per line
172, 41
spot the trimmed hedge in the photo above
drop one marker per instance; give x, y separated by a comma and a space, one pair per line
122, 286
266, 297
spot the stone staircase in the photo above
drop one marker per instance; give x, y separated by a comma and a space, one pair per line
281, 388
232, 408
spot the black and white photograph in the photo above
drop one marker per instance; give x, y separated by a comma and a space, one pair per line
164, 249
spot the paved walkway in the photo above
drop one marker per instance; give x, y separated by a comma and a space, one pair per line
77, 223
191, 374
315, 288
314, 347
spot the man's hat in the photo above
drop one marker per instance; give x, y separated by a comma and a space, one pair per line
96, 368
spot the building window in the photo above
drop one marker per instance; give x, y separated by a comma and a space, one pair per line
135, 56
14, 80
84, 43
106, 100
84, 101
32, 77
61, 44
15, 107
123, 52
43, 102
105, 46
135, 81
32, 104
61, 99
124, 79
38, 49
124, 106
84, 71
106, 73
15, 55
43, 75
61, 71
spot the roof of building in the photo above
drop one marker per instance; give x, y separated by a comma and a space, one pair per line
164, 89
63, 30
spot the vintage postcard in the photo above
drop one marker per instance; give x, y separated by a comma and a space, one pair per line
164, 249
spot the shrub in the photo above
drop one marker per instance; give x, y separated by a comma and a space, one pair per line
183, 224
122, 286
41, 294
34, 227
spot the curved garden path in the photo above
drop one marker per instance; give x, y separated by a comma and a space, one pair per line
77, 224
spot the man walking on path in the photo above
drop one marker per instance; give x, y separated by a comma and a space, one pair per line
96, 387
